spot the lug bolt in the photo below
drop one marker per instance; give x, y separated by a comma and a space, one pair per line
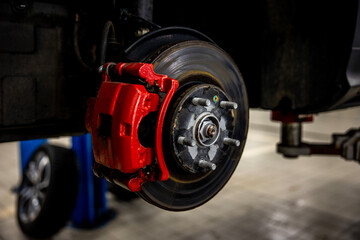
231, 142
201, 101
206, 164
228, 105
186, 141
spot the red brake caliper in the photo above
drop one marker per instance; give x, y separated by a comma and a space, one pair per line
113, 119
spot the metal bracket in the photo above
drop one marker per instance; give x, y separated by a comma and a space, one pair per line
346, 145
349, 144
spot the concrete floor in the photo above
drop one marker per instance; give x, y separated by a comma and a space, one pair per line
268, 196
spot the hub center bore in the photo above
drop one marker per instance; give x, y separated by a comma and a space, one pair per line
211, 130
206, 129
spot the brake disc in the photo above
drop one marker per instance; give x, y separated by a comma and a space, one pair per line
205, 127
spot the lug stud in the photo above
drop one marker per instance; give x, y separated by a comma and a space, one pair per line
206, 164
201, 101
231, 142
228, 105
186, 141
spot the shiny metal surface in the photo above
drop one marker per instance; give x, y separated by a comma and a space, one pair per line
268, 197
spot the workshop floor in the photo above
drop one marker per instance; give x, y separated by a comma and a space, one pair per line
268, 197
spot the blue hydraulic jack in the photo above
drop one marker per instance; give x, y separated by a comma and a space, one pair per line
91, 208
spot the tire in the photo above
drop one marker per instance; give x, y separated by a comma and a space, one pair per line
48, 191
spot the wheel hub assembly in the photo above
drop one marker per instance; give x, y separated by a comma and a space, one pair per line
202, 124
174, 136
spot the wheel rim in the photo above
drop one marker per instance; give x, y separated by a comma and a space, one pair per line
197, 63
32, 193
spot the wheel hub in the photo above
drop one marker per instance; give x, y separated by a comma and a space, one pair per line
202, 126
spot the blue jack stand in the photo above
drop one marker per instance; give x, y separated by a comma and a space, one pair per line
91, 208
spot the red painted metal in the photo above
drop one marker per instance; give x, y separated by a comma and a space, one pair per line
113, 119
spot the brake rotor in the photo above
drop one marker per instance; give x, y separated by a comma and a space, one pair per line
205, 127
